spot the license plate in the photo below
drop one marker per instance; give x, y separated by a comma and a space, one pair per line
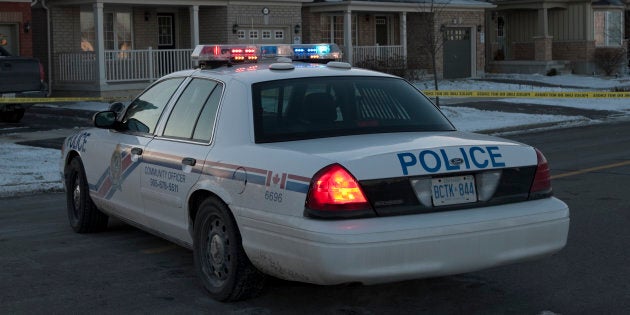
8, 95
453, 190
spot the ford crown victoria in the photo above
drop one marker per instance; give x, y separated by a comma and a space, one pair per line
320, 173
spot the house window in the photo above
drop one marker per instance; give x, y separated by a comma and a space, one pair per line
608, 28
116, 27
332, 29
240, 34
88, 37
266, 34
253, 34
279, 34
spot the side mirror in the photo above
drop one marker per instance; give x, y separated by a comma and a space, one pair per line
105, 120
117, 108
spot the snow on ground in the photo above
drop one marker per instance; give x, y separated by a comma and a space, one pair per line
28, 169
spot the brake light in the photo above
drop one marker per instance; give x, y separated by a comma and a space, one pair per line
334, 189
541, 186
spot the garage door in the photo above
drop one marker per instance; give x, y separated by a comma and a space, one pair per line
457, 53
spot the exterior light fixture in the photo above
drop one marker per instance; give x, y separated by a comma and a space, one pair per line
147, 15
297, 28
234, 28
27, 27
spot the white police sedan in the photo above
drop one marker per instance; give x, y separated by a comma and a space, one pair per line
320, 173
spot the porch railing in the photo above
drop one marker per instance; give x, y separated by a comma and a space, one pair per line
122, 65
380, 54
150, 64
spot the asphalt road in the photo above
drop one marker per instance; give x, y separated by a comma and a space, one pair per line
47, 268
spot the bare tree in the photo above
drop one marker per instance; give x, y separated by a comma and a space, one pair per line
431, 35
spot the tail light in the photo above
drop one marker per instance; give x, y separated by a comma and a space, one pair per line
335, 193
541, 186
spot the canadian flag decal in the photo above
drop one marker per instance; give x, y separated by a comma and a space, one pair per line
276, 179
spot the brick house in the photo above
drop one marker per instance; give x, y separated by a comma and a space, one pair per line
113, 47
15, 27
538, 35
453, 30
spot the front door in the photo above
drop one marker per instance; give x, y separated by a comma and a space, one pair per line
166, 30
175, 158
457, 53
116, 187
381, 31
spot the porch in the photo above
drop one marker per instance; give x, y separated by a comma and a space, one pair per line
136, 69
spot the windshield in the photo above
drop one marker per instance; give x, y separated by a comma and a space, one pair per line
318, 107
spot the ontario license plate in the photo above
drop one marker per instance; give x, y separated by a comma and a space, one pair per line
453, 190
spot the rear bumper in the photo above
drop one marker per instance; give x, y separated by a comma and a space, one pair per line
399, 248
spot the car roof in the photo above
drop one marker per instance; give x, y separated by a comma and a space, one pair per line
269, 71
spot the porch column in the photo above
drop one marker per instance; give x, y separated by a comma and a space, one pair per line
100, 42
542, 41
194, 25
543, 23
403, 35
347, 35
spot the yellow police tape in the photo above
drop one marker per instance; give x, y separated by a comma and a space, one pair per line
50, 99
523, 94
430, 93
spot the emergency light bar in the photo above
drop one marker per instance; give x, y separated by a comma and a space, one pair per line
208, 55
225, 53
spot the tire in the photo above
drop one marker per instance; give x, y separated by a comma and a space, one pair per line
83, 215
220, 261
13, 116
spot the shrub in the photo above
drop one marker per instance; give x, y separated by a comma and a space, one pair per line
610, 59
393, 65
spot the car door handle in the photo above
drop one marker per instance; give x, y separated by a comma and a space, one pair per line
189, 161
136, 151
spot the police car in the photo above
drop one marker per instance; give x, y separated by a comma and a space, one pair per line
313, 172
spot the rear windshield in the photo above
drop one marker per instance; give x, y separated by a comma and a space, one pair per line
318, 107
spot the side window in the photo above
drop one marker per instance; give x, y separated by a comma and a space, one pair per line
144, 112
194, 113
207, 119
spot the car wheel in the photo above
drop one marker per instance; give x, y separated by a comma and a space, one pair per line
13, 116
83, 215
220, 261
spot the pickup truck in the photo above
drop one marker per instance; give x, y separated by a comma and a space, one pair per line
19, 77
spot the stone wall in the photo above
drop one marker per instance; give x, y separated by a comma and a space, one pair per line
573, 50
523, 51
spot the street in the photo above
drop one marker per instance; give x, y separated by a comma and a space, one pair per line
47, 268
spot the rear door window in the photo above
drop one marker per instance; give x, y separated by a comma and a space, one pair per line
193, 116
